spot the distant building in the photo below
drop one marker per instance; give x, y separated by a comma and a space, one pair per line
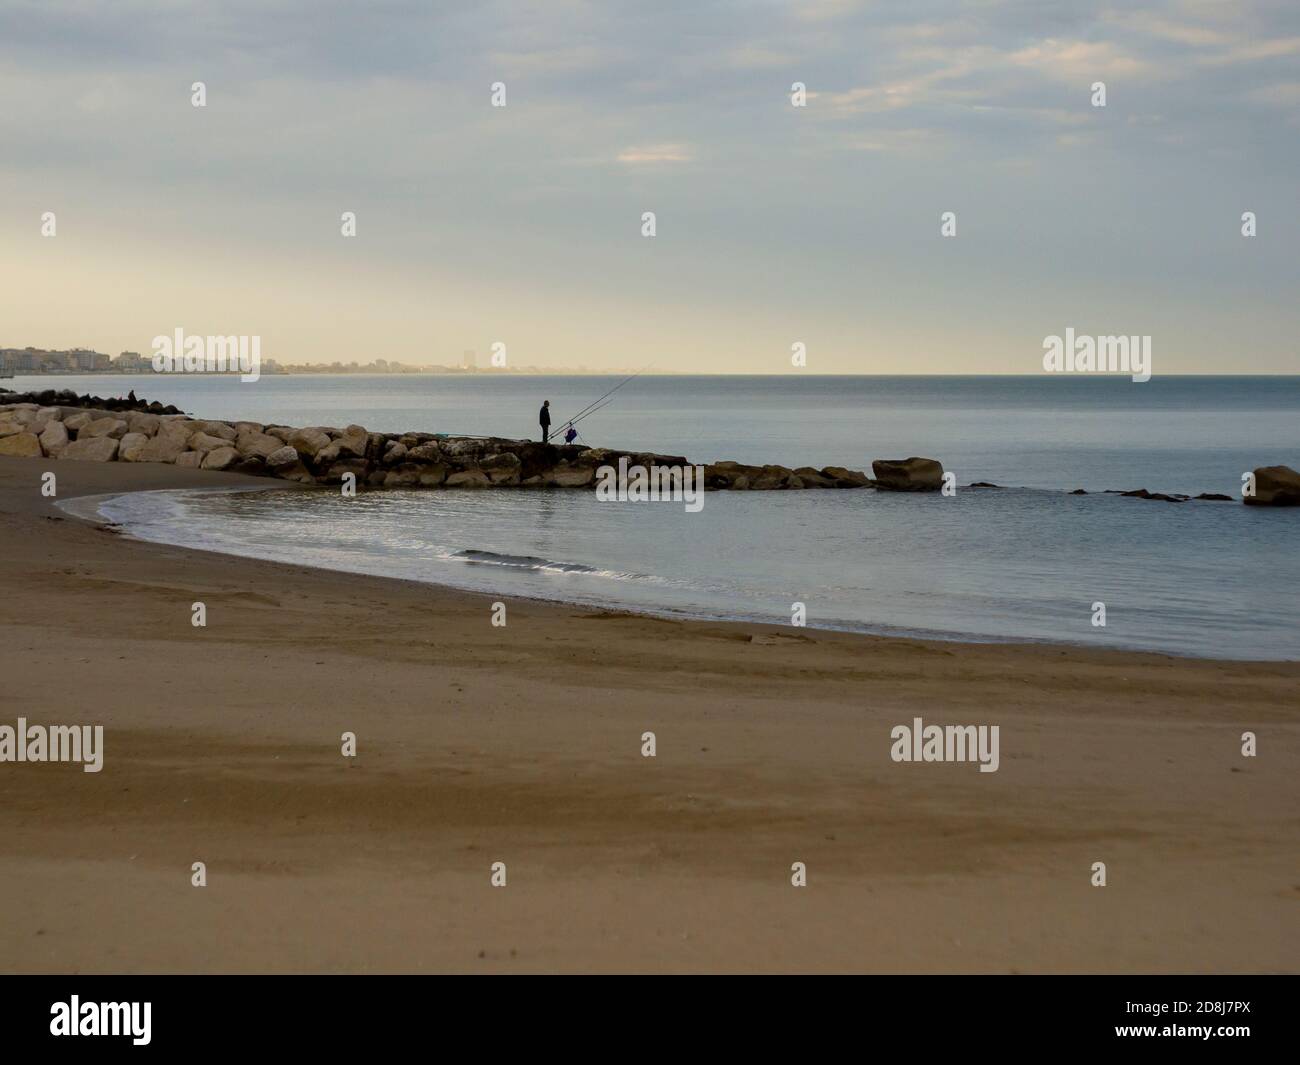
469, 360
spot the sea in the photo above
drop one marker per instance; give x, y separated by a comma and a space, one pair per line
1027, 561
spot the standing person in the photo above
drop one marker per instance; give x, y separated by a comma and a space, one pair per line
544, 417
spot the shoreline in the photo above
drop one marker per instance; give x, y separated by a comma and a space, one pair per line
522, 744
75, 506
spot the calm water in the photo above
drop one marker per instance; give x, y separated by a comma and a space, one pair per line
1024, 562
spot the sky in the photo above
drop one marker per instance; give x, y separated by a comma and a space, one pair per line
774, 224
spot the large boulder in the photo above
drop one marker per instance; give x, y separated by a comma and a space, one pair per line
471, 478
394, 453
908, 475
355, 440
202, 441
165, 447
725, 475
131, 446
178, 430
564, 476
1275, 486
844, 478
343, 466
190, 460
281, 458
309, 441
596, 456
91, 449
432, 476
23, 445
501, 469
404, 475
114, 427
55, 437
463, 448
143, 423
252, 443
811, 478
286, 464
220, 458
220, 430
27, 419
536, 458
413, 475
44, 416
424, 453
770, 478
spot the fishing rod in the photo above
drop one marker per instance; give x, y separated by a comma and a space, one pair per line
588, 408
574, 421
572, 426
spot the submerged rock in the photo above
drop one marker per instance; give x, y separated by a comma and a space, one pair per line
1142, 493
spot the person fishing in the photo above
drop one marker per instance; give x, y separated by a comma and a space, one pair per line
570, 434
544, 418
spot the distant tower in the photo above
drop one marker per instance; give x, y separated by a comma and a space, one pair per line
469, 360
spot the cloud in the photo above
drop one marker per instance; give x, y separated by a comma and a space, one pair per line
656, 153
1078, 61
1254, 51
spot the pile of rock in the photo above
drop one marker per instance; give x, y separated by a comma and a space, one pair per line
65, 397
90, 429
325, 455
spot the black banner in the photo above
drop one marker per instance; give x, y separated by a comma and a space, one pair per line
143, 1014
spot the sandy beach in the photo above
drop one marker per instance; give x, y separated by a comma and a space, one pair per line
522, 744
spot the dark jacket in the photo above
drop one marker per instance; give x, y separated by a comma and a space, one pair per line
545, 416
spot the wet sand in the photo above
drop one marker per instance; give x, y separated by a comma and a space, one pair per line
522, 745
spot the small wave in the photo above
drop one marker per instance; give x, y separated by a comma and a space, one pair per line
541, 565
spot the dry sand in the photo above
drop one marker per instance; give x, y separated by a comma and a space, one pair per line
522, 744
